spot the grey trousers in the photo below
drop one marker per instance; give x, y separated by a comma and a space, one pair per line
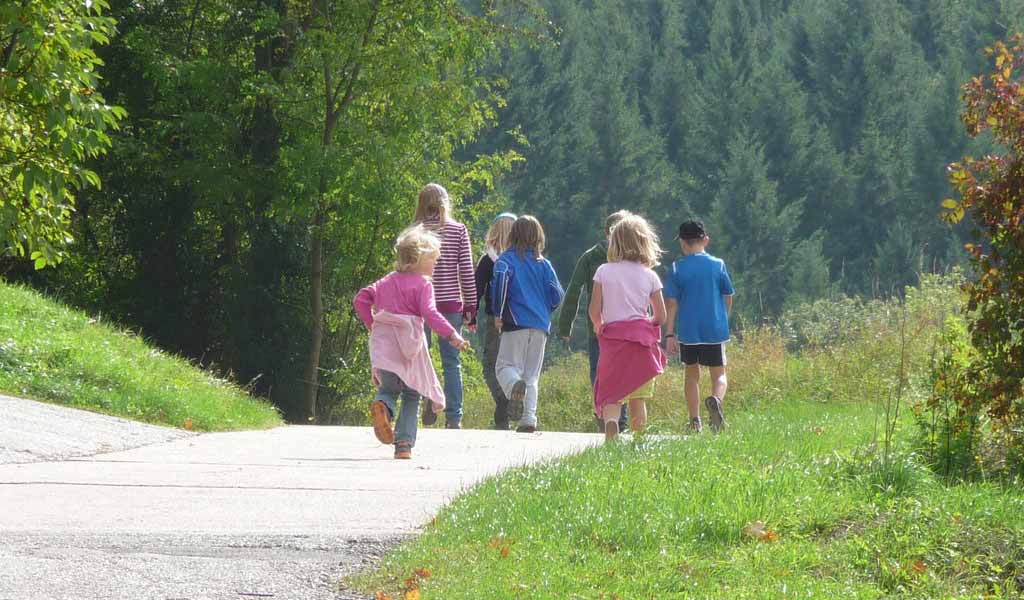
520, 358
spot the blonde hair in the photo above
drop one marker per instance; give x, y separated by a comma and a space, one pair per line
614, 218
433, 202
413, 245
527, 234
499, 233
634, 239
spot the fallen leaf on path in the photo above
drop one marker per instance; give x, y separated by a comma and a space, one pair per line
504, 551
187, 424
381, 596
413, 594
423, 573
918, 566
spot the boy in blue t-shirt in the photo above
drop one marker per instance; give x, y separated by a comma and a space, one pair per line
699, 290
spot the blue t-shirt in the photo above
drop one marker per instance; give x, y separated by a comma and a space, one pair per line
698, 283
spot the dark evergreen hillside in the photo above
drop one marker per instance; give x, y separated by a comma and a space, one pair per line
811, 135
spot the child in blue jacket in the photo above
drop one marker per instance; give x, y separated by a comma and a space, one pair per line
524, 292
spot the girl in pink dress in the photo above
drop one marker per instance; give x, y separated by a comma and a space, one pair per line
394, 309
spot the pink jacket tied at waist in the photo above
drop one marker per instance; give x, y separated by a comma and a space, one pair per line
630, 357
397, 344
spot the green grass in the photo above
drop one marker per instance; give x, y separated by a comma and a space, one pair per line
666, 519
805, 454
51, 353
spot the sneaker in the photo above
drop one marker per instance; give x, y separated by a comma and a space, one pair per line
429, 416
515, 410
715, 413
382, 422
695, 425
452, 424
518, 392
526, 429
403, 451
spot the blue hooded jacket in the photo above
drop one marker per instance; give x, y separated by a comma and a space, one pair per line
525, 291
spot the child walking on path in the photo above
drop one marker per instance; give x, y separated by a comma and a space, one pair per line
626, 293
497, 242
700, 292
454, 288
524, 292
394, 310
583, 277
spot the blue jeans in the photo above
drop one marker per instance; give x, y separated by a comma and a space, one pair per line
594, 354
451, 369
390, 388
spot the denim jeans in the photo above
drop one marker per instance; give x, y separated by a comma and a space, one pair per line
451, 370
594, 353
390, 388
491, 338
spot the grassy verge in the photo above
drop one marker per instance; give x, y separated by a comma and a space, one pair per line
801, 497
679, 519
51, 353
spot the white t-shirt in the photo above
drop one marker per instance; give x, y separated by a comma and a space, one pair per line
626, 289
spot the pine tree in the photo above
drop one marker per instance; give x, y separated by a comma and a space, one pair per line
751, 230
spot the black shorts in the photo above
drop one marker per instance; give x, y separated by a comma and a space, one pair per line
709, 355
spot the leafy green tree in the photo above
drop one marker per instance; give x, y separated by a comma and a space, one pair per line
52, 117
990, 192
375, 103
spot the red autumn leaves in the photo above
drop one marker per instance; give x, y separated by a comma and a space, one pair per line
411, 587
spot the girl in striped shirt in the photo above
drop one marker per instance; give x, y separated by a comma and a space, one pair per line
454, 292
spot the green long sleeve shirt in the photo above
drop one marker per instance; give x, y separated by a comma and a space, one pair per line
582, 276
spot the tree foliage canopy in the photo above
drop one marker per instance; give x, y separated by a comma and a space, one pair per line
52, 118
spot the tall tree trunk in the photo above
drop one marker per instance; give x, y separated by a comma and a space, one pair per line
316, 308
337, 96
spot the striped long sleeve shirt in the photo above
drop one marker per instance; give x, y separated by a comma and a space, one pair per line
454, 281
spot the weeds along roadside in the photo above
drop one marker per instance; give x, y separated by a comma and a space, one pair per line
839, 350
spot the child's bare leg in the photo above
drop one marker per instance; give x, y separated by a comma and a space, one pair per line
692, 389
638, 414
719, 382
610, 414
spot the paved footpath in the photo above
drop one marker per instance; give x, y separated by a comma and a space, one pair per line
282, 513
